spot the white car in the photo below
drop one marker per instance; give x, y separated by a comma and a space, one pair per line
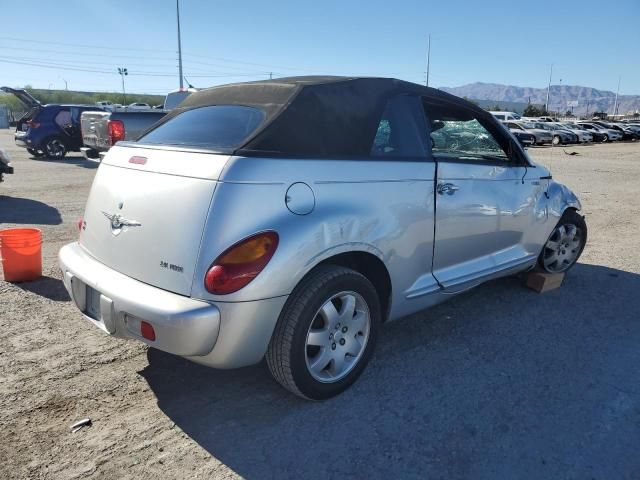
584, 136
506, 116
139, 106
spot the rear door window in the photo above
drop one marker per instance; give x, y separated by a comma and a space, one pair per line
401, 130
217, 126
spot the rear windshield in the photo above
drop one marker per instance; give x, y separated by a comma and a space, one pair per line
218, 126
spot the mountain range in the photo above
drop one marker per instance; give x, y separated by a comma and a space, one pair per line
559, 96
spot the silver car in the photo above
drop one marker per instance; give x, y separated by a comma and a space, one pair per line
289, 219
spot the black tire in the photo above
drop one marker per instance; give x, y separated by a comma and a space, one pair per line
556, 140
55, 148
287, 352
35, 153
605, 138
570, 217
535, 142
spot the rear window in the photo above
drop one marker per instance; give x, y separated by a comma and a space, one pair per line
218, 126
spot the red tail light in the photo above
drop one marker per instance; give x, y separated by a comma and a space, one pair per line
80, 223
116, 131
241, 263
32, 124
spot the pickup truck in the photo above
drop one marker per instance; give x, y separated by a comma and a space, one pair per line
102, 130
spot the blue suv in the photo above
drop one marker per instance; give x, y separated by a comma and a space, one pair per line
49, 130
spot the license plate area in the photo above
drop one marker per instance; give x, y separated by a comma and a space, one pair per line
92, 304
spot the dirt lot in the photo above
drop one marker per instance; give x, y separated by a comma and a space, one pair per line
498, 383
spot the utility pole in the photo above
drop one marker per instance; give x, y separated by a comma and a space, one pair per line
270, 75
546, 105
123, 73
615, 103
587, 114
428, 60
179, 45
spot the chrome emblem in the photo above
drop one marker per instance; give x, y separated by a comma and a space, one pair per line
118, 221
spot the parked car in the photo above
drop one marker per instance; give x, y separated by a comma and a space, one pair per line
5, 164
506, 116
138, 106
49, 130
106, 105
598, 136
101, 130
559, 135
540, 135
584, 136
626, 132
525, 139
221, 237
607, 133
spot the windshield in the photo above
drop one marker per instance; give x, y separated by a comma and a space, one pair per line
218, 126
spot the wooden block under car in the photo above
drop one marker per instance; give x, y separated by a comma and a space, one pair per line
543, 282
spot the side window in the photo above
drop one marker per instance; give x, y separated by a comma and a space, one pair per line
63, 118
458, 133
499, 116
401, 130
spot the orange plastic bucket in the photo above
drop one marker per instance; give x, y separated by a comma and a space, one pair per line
21, 253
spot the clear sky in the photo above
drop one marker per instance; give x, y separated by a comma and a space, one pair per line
590, 42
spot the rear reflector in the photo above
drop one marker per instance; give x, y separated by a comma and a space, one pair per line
146, 329
138, 160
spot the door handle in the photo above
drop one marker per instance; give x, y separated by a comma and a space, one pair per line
448, 188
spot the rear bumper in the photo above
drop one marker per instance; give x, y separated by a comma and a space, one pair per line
21, 140
91, 154
226, 335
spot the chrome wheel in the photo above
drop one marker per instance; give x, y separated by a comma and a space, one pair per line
337, 337
563, 248
556, 140
55, 148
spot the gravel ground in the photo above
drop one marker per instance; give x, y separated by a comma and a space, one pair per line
499, 382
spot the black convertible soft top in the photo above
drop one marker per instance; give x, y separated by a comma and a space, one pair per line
318, 116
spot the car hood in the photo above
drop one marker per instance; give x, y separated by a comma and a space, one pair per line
24, 96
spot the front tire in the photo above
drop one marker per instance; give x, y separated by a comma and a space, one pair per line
556, 140
326, 333
605, 138
565, 244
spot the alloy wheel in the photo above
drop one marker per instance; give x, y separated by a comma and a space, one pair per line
55, 148
563, 248
337, 336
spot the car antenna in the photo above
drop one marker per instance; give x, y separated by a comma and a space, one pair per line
188, 82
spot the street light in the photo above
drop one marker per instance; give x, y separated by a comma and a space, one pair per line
123, 72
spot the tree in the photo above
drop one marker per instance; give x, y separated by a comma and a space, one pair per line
534, 111
568, 113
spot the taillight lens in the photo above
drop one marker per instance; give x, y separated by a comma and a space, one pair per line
80, 223
116, 131
241, 263
32, 124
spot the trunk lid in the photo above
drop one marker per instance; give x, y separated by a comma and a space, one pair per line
95, 132
147, 210
24, 96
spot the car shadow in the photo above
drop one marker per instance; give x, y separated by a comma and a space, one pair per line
77, 160
47, 287
500, 382
27, 211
